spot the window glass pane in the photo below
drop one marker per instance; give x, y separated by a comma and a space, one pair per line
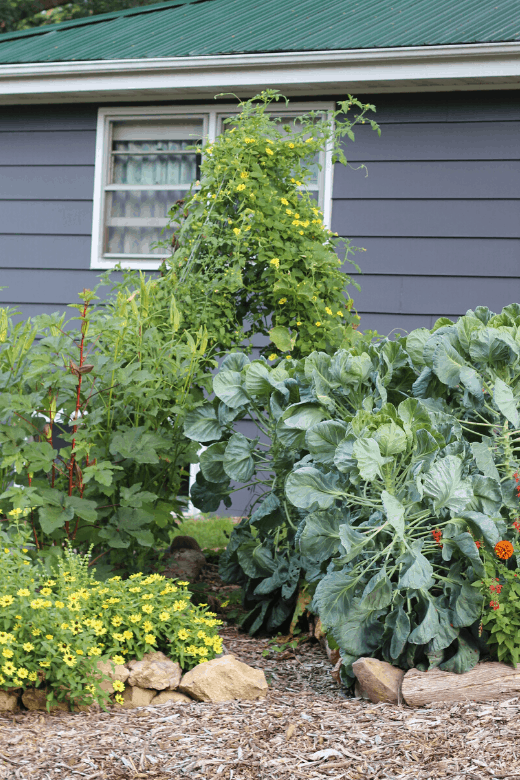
134, 164
141, 203
148, 152
133, 240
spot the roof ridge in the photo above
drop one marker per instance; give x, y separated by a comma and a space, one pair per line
98, 18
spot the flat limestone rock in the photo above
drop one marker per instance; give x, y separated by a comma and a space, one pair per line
175, 696
113, 672
8, 701
378, 680
224, 679
487, 681
137, 697
36, 699
156, 671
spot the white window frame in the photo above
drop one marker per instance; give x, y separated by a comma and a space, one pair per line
212, 117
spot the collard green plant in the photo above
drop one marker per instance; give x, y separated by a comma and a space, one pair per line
249, 239
399, 464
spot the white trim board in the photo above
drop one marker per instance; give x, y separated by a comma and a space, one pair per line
476, 66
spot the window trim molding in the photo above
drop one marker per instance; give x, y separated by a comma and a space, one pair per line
211, 115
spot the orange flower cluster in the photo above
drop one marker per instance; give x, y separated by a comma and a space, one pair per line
504, 549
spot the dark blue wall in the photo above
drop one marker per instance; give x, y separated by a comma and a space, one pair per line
437, 212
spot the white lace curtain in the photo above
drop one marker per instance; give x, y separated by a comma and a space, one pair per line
147, 175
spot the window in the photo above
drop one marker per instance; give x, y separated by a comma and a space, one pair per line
145, 162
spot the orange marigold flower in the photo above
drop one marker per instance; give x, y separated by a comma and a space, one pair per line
504, 549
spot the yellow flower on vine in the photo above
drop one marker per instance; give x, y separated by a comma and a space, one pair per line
339, 313
241, 187
275, 262
269, 151
318, 324
282, 301
273, 356
328, 310
244, 175
291, 145
285, 202
236, 231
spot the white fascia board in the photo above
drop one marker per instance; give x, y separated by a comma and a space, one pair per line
480, 64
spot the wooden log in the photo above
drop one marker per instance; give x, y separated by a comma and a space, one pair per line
488, 681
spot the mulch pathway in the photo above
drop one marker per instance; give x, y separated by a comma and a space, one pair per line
306, 728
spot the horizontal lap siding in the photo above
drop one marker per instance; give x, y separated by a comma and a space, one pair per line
46, 191
436, 209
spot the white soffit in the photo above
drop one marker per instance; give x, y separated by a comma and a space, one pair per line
403, 69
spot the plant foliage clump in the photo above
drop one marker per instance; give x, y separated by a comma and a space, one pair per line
388, 473
91, 441
56, 625
250, 241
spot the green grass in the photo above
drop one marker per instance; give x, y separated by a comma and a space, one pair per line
210, 532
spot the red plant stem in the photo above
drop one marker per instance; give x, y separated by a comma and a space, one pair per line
97, 558
76, 415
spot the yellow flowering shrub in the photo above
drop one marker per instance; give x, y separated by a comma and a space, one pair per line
252, 226
54, 629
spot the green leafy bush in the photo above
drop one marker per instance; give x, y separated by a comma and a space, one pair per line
55, 627
250, 243
392, 466
115, 390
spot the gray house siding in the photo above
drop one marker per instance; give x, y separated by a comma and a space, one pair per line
46, 187
437, 212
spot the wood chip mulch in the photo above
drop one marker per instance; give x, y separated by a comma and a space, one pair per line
305, 728
283, 737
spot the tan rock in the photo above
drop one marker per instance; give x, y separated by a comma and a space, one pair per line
224, 679
378, 680
8, 701
155, 671
488, 681
137, 697
36, 699
113, 672
174, 696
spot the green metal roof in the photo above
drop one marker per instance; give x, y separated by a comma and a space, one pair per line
181, 28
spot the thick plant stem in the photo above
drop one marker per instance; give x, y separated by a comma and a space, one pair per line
76, 416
